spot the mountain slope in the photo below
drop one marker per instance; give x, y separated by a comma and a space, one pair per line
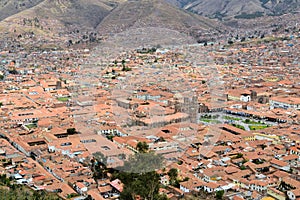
52, 16
11, 7
279, 7
179, 3
153, 13
83, 21
239, 8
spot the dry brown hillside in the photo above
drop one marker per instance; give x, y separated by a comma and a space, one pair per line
153, 13
241, 8
52, 16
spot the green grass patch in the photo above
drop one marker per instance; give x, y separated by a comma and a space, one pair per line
232, 118
63, 99
258, 127
238, 126
210, 120
30, 126
209, 116
248, 121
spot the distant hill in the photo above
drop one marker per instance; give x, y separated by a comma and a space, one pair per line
224, 9
83, 13
58, 18
49, 16
153, 13
11, 7
179, 3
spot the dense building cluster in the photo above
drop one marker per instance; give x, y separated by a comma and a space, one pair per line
226, 117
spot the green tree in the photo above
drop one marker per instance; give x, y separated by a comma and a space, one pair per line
142, 147
100, 157
145, 185
239, 155
22, 192
140, 178
71, 131
219, 194
162, 197
123, 65
142, 163
243, 167
110, 137
173, 173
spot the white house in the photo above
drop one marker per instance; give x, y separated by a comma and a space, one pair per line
245, 97
294, 194
211, 187
259, 186
191, 185
295, 150
279, 164
80, 188
285, 102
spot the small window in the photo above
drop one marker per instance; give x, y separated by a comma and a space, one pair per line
66, 144
106, 148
